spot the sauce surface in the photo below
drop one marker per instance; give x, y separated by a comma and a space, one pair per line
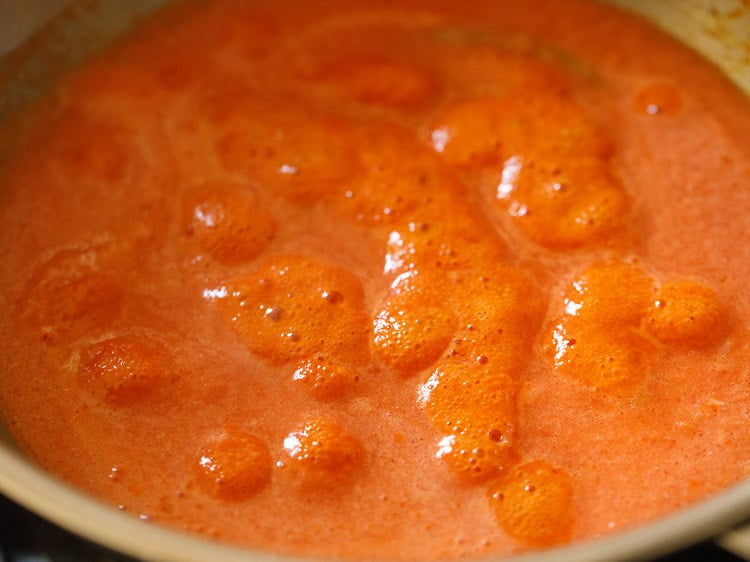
393, 280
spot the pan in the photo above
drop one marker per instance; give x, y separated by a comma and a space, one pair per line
719, 29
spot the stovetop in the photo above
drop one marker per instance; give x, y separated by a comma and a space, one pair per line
24, 537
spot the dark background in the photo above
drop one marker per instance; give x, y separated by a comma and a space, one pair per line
24, 537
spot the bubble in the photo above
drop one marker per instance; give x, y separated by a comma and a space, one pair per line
273, 313
333, 297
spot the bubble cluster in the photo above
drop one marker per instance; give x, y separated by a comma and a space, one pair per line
68, 297
615, 315
474, 406
325, 378
293, 154
548, 163
235, 466
125, 369
412, 329
686, 311
534, 503
228, 222
322, 454
389, 187
284, 311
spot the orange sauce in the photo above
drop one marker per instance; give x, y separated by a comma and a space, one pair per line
385, 280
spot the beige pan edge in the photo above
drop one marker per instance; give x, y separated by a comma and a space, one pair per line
693, 21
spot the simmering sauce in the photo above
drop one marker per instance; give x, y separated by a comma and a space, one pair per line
384, 280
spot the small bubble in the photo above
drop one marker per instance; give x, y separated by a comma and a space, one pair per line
293, 336
288, 169
529, 488
273, 313
333, 297
495, 435
482, 359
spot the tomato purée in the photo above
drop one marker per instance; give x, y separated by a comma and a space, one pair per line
382, 280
